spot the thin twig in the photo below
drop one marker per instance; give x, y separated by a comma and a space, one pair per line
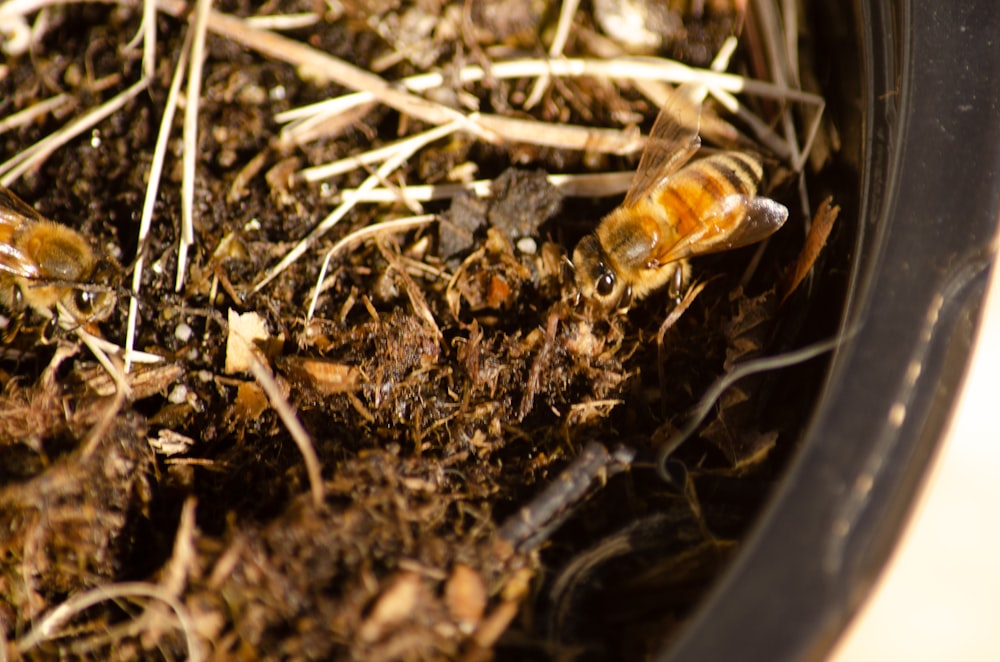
265, 378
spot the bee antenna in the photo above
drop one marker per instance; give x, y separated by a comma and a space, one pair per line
72, 284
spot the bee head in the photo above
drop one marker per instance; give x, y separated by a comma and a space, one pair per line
596, 279
95, 300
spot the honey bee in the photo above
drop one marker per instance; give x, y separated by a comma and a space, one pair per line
674, 211
50, 268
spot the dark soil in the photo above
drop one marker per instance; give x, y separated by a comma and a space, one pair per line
445, 382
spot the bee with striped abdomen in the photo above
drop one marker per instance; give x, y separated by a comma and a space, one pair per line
674, 211
50, 268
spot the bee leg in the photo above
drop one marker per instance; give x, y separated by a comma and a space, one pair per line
48, 332
14, 326
626, 301
14, 301
676, 290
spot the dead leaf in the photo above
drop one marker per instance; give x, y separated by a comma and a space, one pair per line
248, 335
465, 596
327, 377
394, 606
822, 223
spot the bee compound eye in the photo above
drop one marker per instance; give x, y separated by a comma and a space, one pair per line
605, 284
84, 301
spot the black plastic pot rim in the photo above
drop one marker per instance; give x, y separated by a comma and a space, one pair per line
929, 208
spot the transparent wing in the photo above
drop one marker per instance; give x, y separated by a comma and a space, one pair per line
15, 262
736, 221
671, 143
15, 208
14, 213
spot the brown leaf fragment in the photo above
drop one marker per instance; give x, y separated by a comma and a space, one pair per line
250, 402
496, 623
748, 332
822, 223
144, 380
247, 334
754, 449
395, 605
327, 377
465, 596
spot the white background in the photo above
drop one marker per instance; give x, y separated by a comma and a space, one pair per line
939, 598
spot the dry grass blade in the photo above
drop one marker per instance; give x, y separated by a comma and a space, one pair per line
409, 146
720, 85
349, 201
152, 187
122, 391
33, 112
148, 31
621, 68
377, 229
564, 136
32, 156
567, 10
283, 21
50, 625
318, 64
592, 185
779, 31
192, 99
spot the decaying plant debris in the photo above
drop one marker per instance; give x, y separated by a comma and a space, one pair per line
380, 430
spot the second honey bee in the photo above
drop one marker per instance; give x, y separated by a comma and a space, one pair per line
674, 211
50, 268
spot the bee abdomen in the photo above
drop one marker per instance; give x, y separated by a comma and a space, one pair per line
742, 171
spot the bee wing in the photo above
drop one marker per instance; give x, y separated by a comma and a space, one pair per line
14, 213
737, 220
17, 263
671, 143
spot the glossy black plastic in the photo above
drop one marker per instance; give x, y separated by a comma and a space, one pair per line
929, 138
